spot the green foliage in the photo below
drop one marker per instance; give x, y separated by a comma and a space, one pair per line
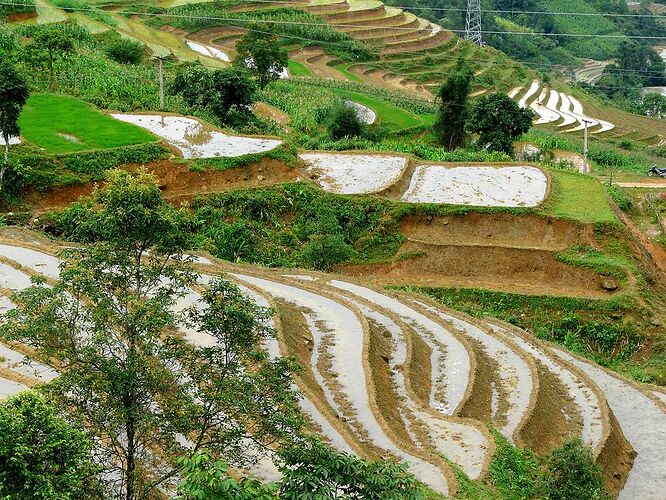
63, 124
42, 456
344, 122
262, 56
227, 93
285, 153
572, 473
585, 326
315, 471
13, 96
323, 251
24, 6
95, 163
55, 43
568, 472
638, 65
291, 25
499, 121
514, 472
132, 271
296, 225
452, 115
620, 197
125, 51
205, 479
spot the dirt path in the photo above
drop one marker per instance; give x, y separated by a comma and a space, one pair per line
648, 184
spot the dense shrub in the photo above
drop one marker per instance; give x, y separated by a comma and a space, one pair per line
344, 122
125, 51
572, 474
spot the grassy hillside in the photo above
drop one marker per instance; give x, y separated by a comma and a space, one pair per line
62, 124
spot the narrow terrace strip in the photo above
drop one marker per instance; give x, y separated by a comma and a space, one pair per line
451, 370
459, 442
346, 348
514, 375
585, 399
307, 406
643, 421
39, 262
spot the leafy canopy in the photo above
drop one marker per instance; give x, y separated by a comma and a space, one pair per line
499, 120
149, 396
453, 110
227, 93
262, 55
14, 93
42, 456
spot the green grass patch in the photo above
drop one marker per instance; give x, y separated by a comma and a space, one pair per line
344, 69
389, 115
578, 197
298, 69
63, 124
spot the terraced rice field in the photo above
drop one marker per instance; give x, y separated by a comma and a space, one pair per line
558, 109
196, 139
393, 29
479, 186
394, 374
354, 174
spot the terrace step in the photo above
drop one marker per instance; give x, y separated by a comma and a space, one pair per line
585, 395
340, 338
642, 418
429, 42
513, 379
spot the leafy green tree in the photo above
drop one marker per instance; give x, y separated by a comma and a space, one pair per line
314, 470
343, 121
572, 474
654, 104
499, 120
14, 93
262, 55
55, 42
453, 109
42, 456
205, 479
125, 51
148, 396
226, 93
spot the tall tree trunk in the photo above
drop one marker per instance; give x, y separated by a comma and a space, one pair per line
130, 473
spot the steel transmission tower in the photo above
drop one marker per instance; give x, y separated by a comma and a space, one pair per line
473, 25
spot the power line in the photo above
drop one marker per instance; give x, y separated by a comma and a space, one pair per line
341, 25
341, 43
496, 11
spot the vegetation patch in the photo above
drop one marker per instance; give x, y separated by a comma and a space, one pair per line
578, 197
608, 331
63, 124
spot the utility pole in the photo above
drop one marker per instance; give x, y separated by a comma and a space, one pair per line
473, 24
161, 78
586, 167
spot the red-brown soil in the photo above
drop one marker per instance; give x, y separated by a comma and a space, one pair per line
178, 183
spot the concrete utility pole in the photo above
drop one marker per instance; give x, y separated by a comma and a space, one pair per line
161, 77
586, 165
473, 24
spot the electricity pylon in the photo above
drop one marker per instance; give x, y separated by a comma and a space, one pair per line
473, 24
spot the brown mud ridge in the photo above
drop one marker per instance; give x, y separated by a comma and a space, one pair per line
178, 183
495, 251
